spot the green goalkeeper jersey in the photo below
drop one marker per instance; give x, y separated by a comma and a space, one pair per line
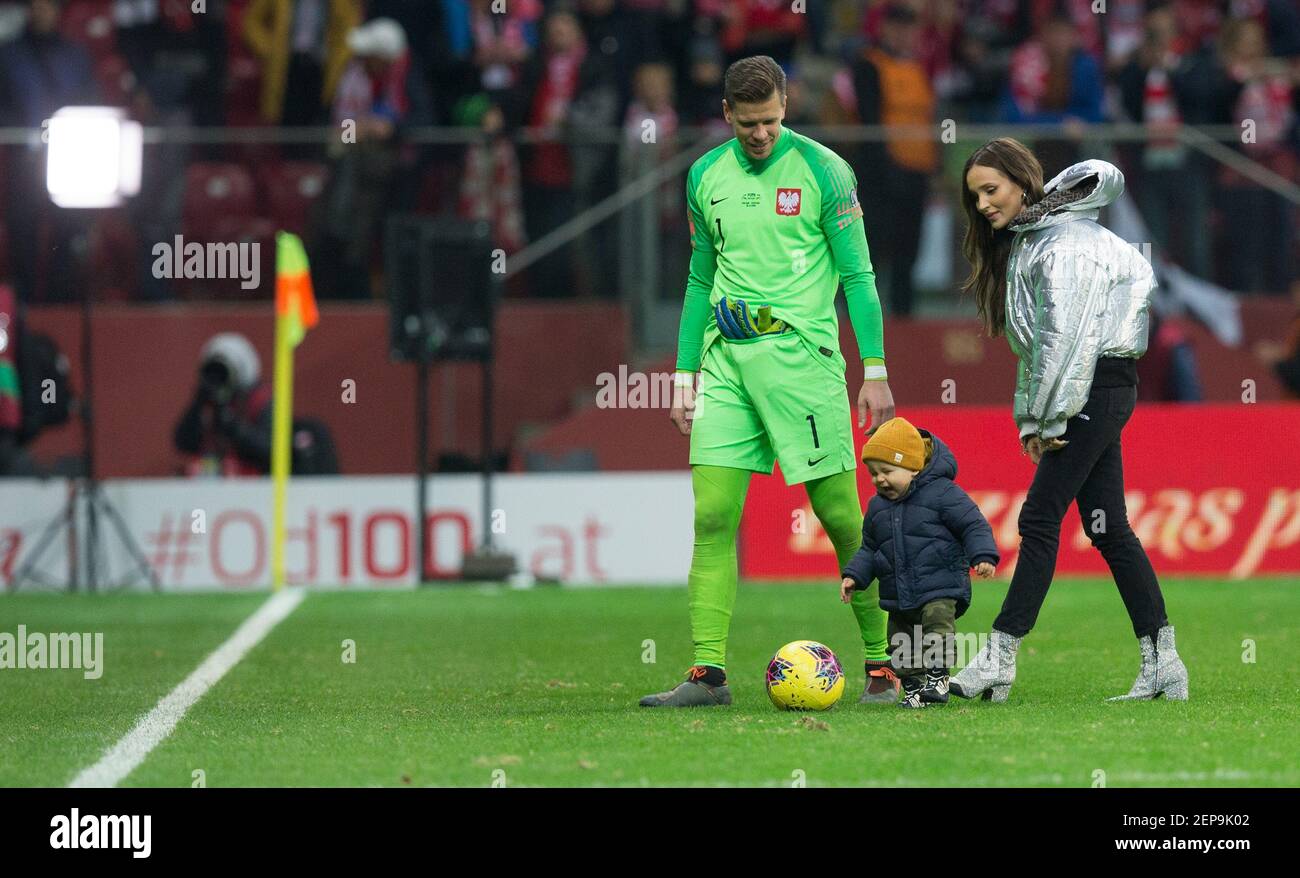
780, 231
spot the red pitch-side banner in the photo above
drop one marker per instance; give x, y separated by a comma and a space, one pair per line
1210, 489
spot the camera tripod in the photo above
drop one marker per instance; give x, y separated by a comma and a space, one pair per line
86, 493
85, 490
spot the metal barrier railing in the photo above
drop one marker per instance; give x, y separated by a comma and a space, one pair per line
643, 169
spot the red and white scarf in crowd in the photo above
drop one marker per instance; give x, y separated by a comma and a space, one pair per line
1267, 101
1160, 108
489, 192
550, 162
1028, 74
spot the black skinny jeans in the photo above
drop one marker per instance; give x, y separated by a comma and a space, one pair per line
1089, 469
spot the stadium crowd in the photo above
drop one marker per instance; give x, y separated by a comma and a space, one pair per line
379, 68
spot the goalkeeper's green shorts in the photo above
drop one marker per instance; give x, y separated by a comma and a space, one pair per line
773, 397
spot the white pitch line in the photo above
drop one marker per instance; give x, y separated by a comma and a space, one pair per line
127, 754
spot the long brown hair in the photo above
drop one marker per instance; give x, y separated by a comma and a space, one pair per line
984, 248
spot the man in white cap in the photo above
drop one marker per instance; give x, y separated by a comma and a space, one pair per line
373, 91
226, 430
380, 93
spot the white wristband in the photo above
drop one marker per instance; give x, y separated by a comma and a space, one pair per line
683, 379
876, 373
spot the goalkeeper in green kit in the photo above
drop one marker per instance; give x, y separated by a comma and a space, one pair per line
775, 225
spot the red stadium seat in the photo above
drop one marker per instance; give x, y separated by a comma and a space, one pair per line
289, 190
90, 23
215, 191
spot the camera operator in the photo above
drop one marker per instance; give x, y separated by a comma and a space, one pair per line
226, 431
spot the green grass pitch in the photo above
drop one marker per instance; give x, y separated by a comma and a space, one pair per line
476, 685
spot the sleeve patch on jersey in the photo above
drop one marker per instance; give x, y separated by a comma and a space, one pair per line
846, 214
788, 201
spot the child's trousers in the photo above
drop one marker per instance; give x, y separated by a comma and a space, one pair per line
921, 640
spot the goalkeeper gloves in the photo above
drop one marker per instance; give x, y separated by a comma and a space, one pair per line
735, 321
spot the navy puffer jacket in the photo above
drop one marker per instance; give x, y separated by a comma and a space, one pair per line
922, 545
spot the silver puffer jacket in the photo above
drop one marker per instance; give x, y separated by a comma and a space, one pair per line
1075, 292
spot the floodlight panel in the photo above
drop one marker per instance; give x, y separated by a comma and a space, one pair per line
94, 157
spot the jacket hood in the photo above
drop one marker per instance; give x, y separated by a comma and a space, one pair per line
942, 465
1076, 193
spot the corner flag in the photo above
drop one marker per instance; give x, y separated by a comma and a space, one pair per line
295, 313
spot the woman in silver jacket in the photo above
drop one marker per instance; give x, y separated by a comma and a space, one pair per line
1072, 299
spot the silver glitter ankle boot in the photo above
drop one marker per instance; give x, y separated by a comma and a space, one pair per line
1162, 671
1145, 684
1171, 673
991, 673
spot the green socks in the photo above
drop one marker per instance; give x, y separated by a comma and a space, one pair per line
719, 499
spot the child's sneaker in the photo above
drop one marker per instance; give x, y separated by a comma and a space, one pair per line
912, 687
935, 690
